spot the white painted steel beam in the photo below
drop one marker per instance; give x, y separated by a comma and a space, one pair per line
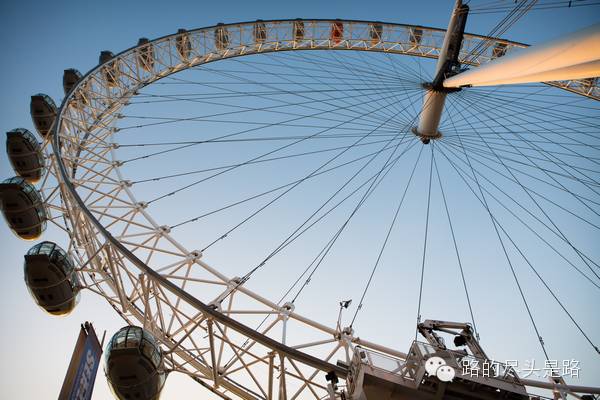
574, 56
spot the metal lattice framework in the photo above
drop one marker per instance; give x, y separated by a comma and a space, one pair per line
117, 243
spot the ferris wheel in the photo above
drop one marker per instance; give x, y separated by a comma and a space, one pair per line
172, 161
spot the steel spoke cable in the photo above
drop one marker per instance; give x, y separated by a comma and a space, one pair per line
525, 110
341, 79
478, 154
310, 77
291, 188
541, 98
325, 251
323, 62
301, 229
175, 97
331, 209
547, 6
503, 205
375, 153
198, 171
556, 161
203, 118
527, 192
328, 247
502, 145
410, 70
396, 72
373, 177
258, 157
360, 77
510, 154
532, 132
261, 139
462, 273
352, 69
477, 149
425, 241
519, 109
577, 325
383, 246
551, 159
535, 147
507, 257
223, 139
516, 13
379, 64
526, 225
289, 92
305, 104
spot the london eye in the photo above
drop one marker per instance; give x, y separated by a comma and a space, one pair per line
246, 195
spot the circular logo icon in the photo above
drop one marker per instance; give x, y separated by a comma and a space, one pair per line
433, 363
445, 373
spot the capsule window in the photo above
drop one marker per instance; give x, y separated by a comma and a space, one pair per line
376, 32
298, 30
416, 35
260, 32
337, 32
221, 38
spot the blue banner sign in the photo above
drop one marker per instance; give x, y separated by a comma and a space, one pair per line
81, 375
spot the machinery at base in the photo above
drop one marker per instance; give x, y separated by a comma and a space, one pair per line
467, 374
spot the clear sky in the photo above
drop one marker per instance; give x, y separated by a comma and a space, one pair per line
41, 39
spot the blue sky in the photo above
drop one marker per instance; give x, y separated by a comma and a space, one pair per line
41, 39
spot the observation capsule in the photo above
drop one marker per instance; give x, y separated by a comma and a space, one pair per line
111, 70
499, 50
415, 36
51, 279
23, 208
221, 37
25, 154
145, 54
376, 33
298, 30
183, 44
260, 31
588, 83
134, 364
43, 113
337, 32
70, 78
